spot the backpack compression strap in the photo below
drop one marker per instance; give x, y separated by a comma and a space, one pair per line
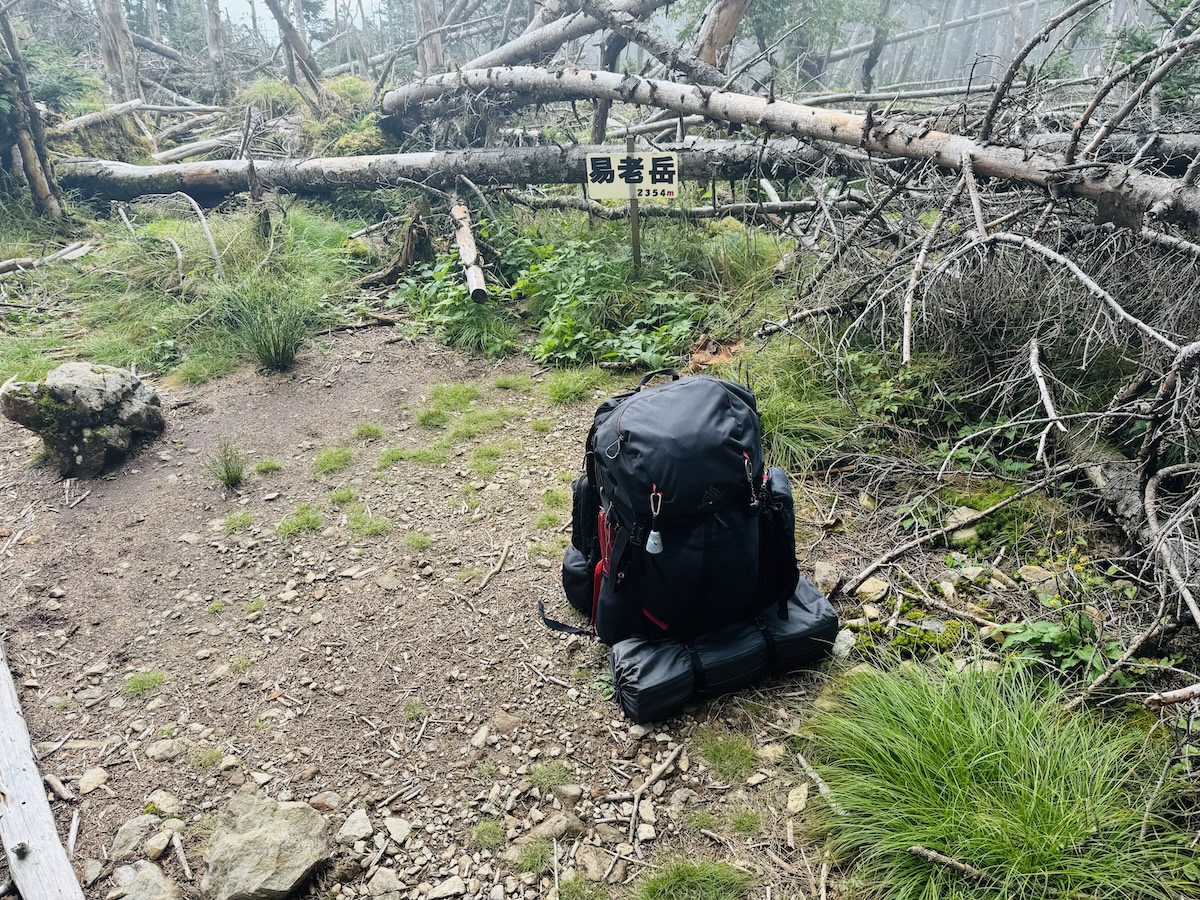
562, 627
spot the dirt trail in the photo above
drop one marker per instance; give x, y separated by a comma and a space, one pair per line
329, 661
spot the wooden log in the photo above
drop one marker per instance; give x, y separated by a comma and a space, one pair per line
96, 118
675, 58
37, 860
144, 43
467, 252
1135, 193
211, 182
199, 148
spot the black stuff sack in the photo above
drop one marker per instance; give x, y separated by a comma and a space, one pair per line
654, 680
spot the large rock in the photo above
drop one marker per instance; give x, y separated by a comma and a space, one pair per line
263, 850
145, 881
87, 415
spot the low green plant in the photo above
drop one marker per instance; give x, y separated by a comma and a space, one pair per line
700, 820
271, 326
417, 540
305, 517
267, 466
367, 431
258, 604
208, 757
432, 417
731, 755
746, 821
555, 499
475, 422
138, 683
332, 459
683, 878
1071, 645
240, 663
430, 455
487, 771
413, 710
535, 857
488, 834
216, 607
340, 496
548, 520
366, 524
519, 383
227, 466
988, 769
437, 295
577, 888
573, 385
237, 521
549, 775
455, 397
541, 426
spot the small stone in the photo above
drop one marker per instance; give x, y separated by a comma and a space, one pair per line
261, 778
637, 732
326, 801
92, 869
389, 581
145, 881
479, 740
166, 750
384, 881
592, 862
131, 834
190, 537
1038, 579
757, 778
826, 577
872, 590
164, 803
504, 722
157, 845
230, 762
91, 779
870, 611
646, 832
451, 887
797, 799
569, 794
843, 644
357, 827
772, 753
398, 829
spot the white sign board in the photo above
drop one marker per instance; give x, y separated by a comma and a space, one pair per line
633, 176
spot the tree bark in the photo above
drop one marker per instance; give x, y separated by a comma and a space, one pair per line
717, 29
216, 46
211, 182
553, 35
144, 43
1136, 193
429, 42
306, 62
152, 21
30, 137
675, 58
116, 47
468, 254
610, 51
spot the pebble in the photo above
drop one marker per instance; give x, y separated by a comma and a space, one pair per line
326, 801
357, 827
91, 779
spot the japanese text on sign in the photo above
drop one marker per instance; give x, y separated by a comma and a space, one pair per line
633, 176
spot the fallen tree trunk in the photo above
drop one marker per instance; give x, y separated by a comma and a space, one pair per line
96, 118
144, 43
468, 253
36, 858
211, 182
1134, 193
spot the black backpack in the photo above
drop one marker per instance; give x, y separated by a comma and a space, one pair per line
677, 530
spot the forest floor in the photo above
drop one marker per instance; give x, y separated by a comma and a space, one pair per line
377, 672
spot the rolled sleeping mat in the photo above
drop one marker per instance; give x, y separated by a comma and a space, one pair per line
652, 680
806, 635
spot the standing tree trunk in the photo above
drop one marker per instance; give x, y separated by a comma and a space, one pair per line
216, 46
610, 51
429, 46
295, 42
720, 23
116, 47
152, 20
298, 20
31, 140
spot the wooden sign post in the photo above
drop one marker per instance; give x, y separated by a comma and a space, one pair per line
634, 177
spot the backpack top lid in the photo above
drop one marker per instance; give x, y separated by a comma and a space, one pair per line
697, 441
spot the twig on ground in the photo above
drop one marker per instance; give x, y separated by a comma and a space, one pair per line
822, 786
496, 568
1134, 647
638, 794
177, 843
1170, 698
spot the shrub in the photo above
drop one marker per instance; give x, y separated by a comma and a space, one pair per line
986, 768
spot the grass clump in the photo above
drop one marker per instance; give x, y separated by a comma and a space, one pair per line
700, 819
517, 383
241, 662
988, 769
306, 517
573, 385
343, 495
432, 417
417, 540
208, 757
227, 466
485, 459
547, 520
238, 521
731, 755
271, 329
488, 834
138, 683
682, 879
541, 426
367, 431
746, 821
216, 607
365, 524
413, 710
429, 455
267, 466
455, 397
549, 775
475, 422
534, 857
332, 459
576, 888
555, 499
258, 604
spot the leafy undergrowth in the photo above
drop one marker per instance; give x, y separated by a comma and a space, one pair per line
156, 300
987, 770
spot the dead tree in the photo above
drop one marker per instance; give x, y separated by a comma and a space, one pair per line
27, 126
116, 45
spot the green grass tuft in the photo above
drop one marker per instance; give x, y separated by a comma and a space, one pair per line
238, 521
267, 466
548, 520
541, 426
413, 710
455, 397
746, 821
577, 888
332, 459
342, 495
988, 769
488, 834
573, 385
416, 540
367, 431
306, 517
432, 417
535, 857
731, 755
518, 383
682, 879
227, 466
365, 524
550, 775
138, 683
